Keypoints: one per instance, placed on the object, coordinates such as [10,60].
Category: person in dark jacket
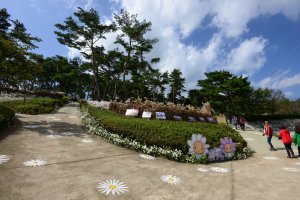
[242,123]
[269,132]
[287,141]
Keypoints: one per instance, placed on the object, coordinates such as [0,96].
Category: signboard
[191,119]
[212,120]
[147,114]
[160,115]
[202,119]
[132,112]
[177,118]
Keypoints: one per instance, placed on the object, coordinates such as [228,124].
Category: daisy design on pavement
[249,139]
[200,169]
[170,179]
[147,157]
[270,158]
[4,158]
[87,141]
[219,170]
[53,136]
[112,186]
[34,163]
[227,147]
[69,133]
[198,145]
[297,163]
[290,169]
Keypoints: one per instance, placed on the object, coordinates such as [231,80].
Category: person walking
[242,123]
[234,121]
[287,141]
[269,132]
[296,137]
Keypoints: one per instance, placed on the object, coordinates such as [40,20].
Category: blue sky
[254,38]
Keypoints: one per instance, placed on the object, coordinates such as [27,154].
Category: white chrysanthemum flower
[112,186]
[249,139]
[219,169]
[270,158]
[53,136]
[200,169]
[87,141]
[4,158]
[147,157]
[170,179]
[31,126]
[290,169]
[198,145]
[34,163]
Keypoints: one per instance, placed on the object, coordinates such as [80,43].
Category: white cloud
[175,20]
[248,57]
[281,80]
[289,94]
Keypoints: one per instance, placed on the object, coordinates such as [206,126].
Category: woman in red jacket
[287,141]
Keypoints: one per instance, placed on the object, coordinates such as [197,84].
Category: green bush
[164,133]
[35,106]
[6,116]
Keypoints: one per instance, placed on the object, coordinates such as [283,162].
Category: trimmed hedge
[164,133]
[6,116]
[35,106]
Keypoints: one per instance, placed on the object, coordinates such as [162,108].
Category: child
[296,137]
[287,141]
[269,132]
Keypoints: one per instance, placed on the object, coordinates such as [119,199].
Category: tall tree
[17,63]
[84,33]
[132,39]
[226,92]
[176,82]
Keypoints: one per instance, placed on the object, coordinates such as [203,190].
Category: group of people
[238,121]
[285,135]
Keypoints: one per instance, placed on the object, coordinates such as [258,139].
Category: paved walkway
[75,167]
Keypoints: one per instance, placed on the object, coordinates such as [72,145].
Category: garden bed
[6,116]
[35,106]
[155,137]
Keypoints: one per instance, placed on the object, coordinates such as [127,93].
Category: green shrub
[35,106]
[6,116]
[169,134]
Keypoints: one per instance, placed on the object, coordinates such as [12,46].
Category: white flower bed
[99,104]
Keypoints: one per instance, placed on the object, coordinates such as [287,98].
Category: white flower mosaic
[200,169]
[4,159]
[69,133]
[34,163]
[173,180]
[270,158]
[147,157]
[53,136]
[32,126]
[290,169]
[112,186]
[87,141]
[249,139]
[219,170]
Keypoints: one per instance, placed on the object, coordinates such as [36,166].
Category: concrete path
[75,167]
